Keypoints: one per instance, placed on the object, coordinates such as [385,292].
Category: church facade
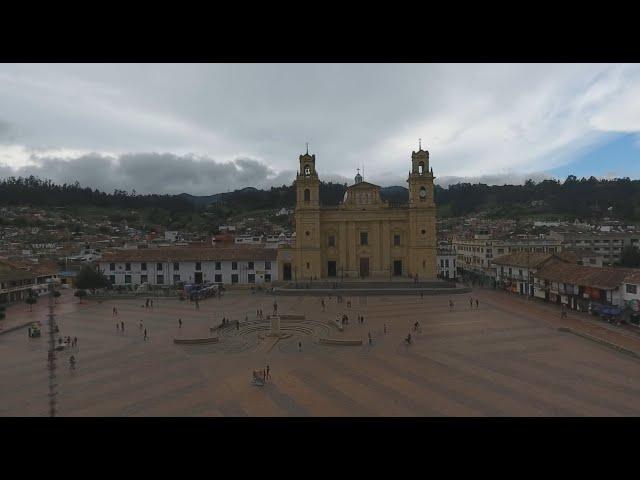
[364,237]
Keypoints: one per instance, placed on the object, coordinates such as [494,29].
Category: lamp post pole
[52,354]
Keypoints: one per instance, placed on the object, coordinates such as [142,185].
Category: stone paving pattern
[506,358]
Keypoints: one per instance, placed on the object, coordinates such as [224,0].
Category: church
[364,237]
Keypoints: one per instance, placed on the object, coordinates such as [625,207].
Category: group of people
[262,375]
[259,314]
[148,303]
[471,303]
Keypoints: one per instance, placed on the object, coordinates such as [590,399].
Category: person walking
[369,338]
[140,325]
[451,305]
[477,303]
[152,303]
[145,335]
[117,326]
[268,375]
[237,324]
[122,325]
[470,302]
[179,323]
[75,342]
[299,346]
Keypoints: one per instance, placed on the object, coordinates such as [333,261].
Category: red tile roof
[185,254]
[604,278]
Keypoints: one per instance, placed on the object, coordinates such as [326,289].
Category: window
[112,279]
[308,265]
[159,267]
[510,271]
[144,278]
[176,278]
[218,266]
[631,288]
[127,267]
[160,279]
[364,238]
[112,266]
[198,266]
[143,266]
[251,278]
[218,278]
[332,240]
[234,278]
[234,266]
[127,279]
[446,262]
[267,277]
[423,231]
[396,240]
[267,265]
[307,195]
[250,266]
[176,266]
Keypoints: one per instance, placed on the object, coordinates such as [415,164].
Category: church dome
[358,178]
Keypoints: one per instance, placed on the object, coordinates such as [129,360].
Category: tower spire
[419,144]
[307,144]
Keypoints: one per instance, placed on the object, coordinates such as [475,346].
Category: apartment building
[607,244]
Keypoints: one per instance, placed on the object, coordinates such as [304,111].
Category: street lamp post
[52,354]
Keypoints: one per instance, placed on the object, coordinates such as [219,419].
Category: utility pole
[52,354]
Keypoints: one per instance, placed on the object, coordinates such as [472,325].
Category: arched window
[307,195]
[307,170]
[421,168]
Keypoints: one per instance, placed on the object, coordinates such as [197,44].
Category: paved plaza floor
[505,358]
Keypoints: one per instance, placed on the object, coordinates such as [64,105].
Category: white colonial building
[170,266]
[446,263]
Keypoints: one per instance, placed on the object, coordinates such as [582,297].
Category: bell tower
[422,217]
[307,256]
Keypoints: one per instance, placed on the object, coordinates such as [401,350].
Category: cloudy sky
[205,129]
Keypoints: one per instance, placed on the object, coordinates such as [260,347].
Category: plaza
[505,357]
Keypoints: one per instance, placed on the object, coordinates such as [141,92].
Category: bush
[80,294]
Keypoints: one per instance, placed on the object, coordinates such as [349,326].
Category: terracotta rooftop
[185,254]
[633,278]
[533,259]
[604,278]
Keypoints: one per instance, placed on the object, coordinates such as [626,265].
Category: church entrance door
[364,267]
[397,267]
[286,271]
[331,268]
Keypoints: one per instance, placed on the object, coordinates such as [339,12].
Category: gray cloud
[169,173]
[155,173]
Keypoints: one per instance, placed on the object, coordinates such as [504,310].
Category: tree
[90,278]
[31,301]
[630,257]
[80,294]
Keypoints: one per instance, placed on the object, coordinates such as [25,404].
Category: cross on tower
[307,144]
